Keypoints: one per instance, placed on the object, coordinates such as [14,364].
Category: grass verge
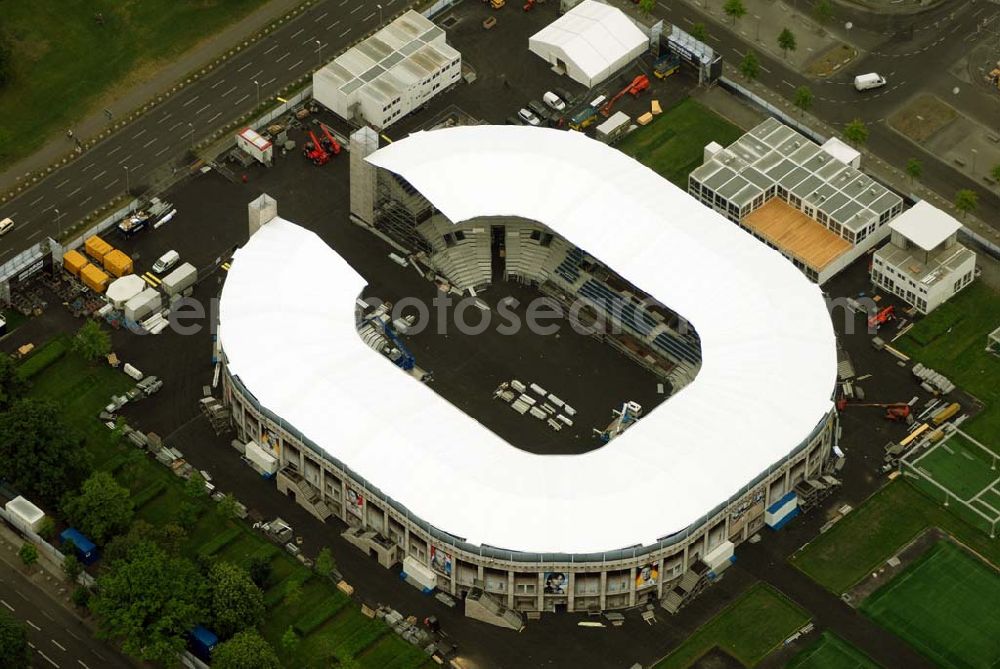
[831,652]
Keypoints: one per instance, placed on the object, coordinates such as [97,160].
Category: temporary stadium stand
[758,318]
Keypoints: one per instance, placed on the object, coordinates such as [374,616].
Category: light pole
[191,132]
[125,167]
[58,223]
[319,53]
[379,15]
[974,154]
[758,26]
[257,83]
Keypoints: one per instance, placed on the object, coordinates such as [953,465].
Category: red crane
[893,411]
[330,142]
[314,151]
[638,85]
[882,317]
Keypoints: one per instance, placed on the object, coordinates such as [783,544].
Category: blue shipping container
[86,551]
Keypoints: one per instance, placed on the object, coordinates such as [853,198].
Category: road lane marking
[86,200]
[342,3]
[82,664]
[33,203]
[165,117]
[48,659]
[162,151]
[101,174]
[765,69]
[90,166]
[110,184]
[70,632]
[203,108]
[298,32]
[369,17]
[36,627]
[96,653]
[114,150]
[20,594]
[272,48]
[218,83]
[75,192]
[333,25]
[177,125]
[242,98]
[48,615]
[62,183]
[228,92]
[139,134]
[58,645]
[256,74]
[248,64]
[135,167]
[32,236]
[148,143]
[124,159]
[269,81]
[45,211]
[211,119]
[344,33]
[295,65]
[6,604]
[188,102]
[309,40]
[281,58]
[322,16]
[357,9]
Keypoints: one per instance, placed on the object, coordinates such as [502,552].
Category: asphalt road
[913,61]
[57,637]
[167,133]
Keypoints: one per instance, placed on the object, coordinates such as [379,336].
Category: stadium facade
[650,516]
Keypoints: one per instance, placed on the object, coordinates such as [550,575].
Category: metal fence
[43,546]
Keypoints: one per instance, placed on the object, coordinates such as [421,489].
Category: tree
[293,591]
[289,640]
[71,567]
[914,168]
[12,386]
[647,6]
[47,528]
[786,41]
[966,200]
[141,534]
[246,650]
[14,652]
[856,132]
[750,66]
[228,506]
[235,601]
[148,602]
[194,487]
[91,341]
[41,456]
[324,563]
[80,597]
[803,98]
[260,570]
[102,509]
[28,554]
[699,32]
[823,11]
[734,9]
[995,173]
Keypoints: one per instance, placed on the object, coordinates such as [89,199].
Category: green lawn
[82,389]
[960,466]
[952,340]
[673,144]
[65,62]
[831,652]
[748,629]
[945,606]
[875,531]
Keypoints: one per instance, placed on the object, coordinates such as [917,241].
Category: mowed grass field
[875,531]
[748,629]
[952,340]
[65,62]
[673,144]
[945,606]
[961,466]
[332,629]
[831,652]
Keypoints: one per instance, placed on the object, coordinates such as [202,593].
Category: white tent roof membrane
[925,225]
[768,371]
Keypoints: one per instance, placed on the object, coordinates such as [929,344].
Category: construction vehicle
[945,413]
[882,317]
[583,119]
[624,419]
[893,411]
[330,142]
[637,85]
[497,4]
[666,65]
[314,151]
[144,218]
[529,5]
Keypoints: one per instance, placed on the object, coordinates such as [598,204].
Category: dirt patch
[831,61]
[923,118]
[885,573]
[717,659]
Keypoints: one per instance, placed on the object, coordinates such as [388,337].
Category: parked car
[6,225]
[528,117]
[540,110]
[554,101]
[166,262]
[563,95]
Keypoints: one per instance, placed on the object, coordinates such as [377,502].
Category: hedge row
[42,358]
[319,614]
[148,494]
[220,541]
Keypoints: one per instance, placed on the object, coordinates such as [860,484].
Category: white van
[166,262]
[864,82]
[6,225]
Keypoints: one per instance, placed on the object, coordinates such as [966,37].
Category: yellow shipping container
[96,247]
[118,263]
[94,278]
[74,261]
